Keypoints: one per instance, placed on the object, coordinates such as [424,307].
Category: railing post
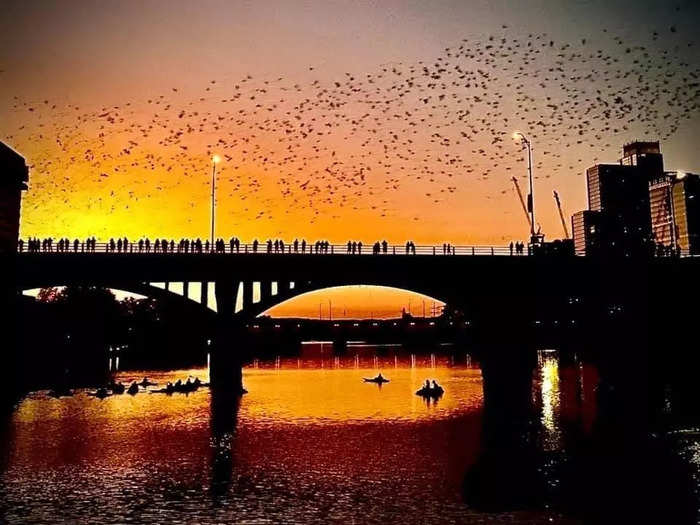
[492,250]
[433,250]
[472,250]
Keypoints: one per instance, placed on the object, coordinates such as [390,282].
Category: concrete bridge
[239,287]
[503,296]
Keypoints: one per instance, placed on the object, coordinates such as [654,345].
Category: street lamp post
[214,160]
[531,196]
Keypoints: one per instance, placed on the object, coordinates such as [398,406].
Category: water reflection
[224,408]
[312,442]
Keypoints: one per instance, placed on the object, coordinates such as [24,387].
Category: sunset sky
[335,120]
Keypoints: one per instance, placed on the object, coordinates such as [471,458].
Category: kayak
[378,380]
[60,393]
[101,393]
[117,388]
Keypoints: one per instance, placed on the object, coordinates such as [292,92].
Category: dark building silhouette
[645,156]
[585,226]
[618,220]
[675,211]
[14,175]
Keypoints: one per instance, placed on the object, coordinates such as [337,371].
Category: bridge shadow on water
[224,407]
[620,463]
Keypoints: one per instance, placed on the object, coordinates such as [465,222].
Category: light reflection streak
[549,373]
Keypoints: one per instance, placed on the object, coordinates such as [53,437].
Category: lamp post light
[531,195]
[214,161]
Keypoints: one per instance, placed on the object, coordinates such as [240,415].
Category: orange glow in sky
[348,302]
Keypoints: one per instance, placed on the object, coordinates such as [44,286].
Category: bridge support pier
[226,362]
[507,383]
[505,475]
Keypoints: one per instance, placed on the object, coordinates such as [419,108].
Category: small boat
[168,389]
[379,379]
[433,392]
[145,382]
[117,388]
[60,392]
[100,393]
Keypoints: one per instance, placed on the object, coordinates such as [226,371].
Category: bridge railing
[137,247]
[173,247]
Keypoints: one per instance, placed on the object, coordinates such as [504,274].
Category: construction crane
[522,202]
[561,215]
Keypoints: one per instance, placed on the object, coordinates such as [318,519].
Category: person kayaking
[133,388]
[432,391]
[379,378]
[101,393]
[145,382]
[117,388]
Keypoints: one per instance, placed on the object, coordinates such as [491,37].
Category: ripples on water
[310,443]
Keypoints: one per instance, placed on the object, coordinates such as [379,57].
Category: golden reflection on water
[323,395]
[309,435]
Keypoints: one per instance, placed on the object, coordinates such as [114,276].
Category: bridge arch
[161,291]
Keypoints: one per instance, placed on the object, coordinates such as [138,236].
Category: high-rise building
[585,226]
[663,230]
[675,212]
[645,156]
[619,194]
[13,180]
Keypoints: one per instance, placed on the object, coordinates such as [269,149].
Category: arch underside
[248,298]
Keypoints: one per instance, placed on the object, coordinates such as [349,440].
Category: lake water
[310,443]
